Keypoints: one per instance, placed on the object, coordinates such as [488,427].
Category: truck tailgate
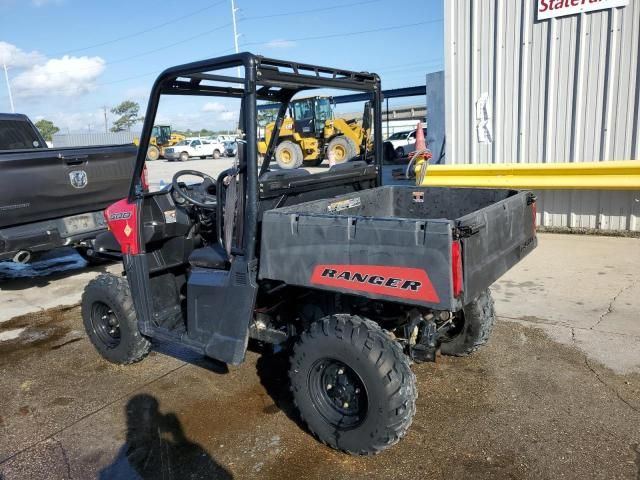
[42,184]
[494,239]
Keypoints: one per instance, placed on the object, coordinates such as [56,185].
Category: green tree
[128,111]
[47,129]
[267,116]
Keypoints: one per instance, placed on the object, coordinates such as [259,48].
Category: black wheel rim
[338,393]
[105,325]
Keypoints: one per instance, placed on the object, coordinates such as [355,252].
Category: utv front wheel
[352,384]
[471,328]
[110,320]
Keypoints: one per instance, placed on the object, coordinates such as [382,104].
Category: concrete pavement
[555,393]
[582,290]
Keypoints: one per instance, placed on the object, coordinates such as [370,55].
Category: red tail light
[456,267]
[144,178]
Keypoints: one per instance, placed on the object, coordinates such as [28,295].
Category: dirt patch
[40,331]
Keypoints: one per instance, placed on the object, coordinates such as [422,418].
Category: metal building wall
[94,138]
[558,90]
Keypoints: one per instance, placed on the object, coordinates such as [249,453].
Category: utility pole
[6,76]
[235,30]
[104,108]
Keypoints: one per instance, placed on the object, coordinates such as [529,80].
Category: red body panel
[401,282]
[122,219]
[456,267]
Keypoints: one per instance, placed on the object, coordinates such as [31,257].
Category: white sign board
[560,8]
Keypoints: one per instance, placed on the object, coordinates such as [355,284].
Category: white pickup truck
[404,142]
[194,147]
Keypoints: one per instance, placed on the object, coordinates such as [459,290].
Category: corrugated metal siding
[560,90]
[88,139]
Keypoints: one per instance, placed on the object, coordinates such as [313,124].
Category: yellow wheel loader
[161,138]
[310,133]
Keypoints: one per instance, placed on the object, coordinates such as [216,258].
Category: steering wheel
[203,198]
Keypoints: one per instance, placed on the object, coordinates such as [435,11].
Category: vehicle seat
[211,256]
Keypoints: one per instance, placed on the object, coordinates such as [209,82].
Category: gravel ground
[522,407]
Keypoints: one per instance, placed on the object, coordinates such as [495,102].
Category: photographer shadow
[157,447]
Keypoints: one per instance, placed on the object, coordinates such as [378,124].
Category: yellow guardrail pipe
[612,175]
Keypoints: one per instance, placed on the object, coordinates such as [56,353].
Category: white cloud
[280,43]
[13,56]
[69,121]
[213,107]
[66,76]
[137,93]
[228,116]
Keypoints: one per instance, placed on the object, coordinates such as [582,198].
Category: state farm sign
[560,8]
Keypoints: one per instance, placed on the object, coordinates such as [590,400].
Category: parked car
[230,149]
[404,142]
[50,197]
[224,138]
[193,147]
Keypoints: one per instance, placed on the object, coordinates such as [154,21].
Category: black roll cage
[265,79]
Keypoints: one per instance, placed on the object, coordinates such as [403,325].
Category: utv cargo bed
[435,247]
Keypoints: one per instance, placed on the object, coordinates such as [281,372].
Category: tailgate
[494,239]
[43,184]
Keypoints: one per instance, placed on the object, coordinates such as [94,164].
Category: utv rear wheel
[472,327]
[343,149]
[289,155]
[110,320]
[352,384]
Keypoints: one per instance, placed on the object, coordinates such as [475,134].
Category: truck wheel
[216,154]
[184,156]
[343,149]
[110,320]
[352,384]
[400,152]
[289,155]
[153,153]
[472,327]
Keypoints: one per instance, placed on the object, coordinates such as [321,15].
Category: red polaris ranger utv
[355,279]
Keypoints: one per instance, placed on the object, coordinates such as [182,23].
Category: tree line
[128,113]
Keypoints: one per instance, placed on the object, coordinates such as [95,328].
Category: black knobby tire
[343,148]
[289,155]
[109,295]
[474,325]
[379,383]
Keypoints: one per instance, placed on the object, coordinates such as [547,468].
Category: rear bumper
[43,236]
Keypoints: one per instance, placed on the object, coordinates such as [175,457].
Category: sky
[68,59]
